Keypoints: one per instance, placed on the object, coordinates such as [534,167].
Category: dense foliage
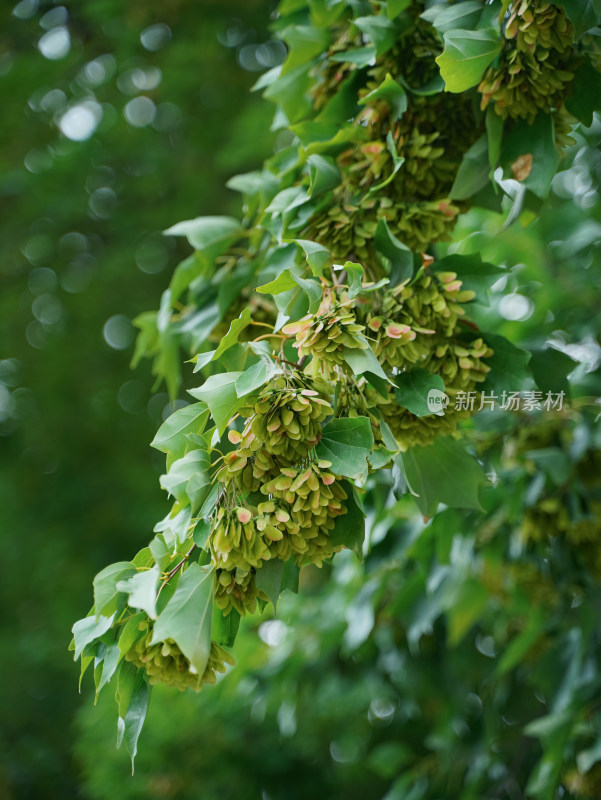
[82,252]
[302,431]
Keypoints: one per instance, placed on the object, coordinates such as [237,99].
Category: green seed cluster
[273,455]
[583,787]
[165,663]
[237,588]
[287,419]
[313,498]
[414,199]
[536,63]
[237,542]
[324,334]
[348,227]
[415,320]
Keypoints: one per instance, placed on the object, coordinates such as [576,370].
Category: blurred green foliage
[348,686]
[81,245]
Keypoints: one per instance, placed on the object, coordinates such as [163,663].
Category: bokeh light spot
[118,332]
[140,111]
[55,44]
[155,36]
[80,121]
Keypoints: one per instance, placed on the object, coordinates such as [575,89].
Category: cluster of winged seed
[536,64]
[236,541]
[459,363]
[165,663]
[326,333]
[415,317]
[237,589]
[248,464]
[287,419]
[313,498]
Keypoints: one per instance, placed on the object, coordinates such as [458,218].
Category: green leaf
[354,273]
[283,283]
[269,579]
[110,662]
[142,590]
[346,442]
[254,183]
[201,532]
[473,173]
[589,757]
[225,627]
[188,479]
[359,56]
[380,30]
[467,608]
[400,256]
[187,617]
[211,235]
[582,14]
[362,361]
[317,255]
[494,132]
[174,527]
[466,56]
[255,376]
[290,576]
[219,393]
[131,633]
[443,473]
[87,630]
[304,43]
[584,93]
[460,16]
[520,644]
[323,174]
[291,90]
[105,586]
[349,528]
[395,7]
[392,93]
[508,365]
[536,142]
[551,368]
[171,437]
[397,162]
[236,328]
[311,288]
[132,697]
[413,388]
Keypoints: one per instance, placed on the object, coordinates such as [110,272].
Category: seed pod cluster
[248,464]
[165,663]
[313,498]
[413,199]
[237,589]
[287,418]
[460,364]
[415,318]
[348,227]
[236,542]
[585,786]
[536,63]
[324,334]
